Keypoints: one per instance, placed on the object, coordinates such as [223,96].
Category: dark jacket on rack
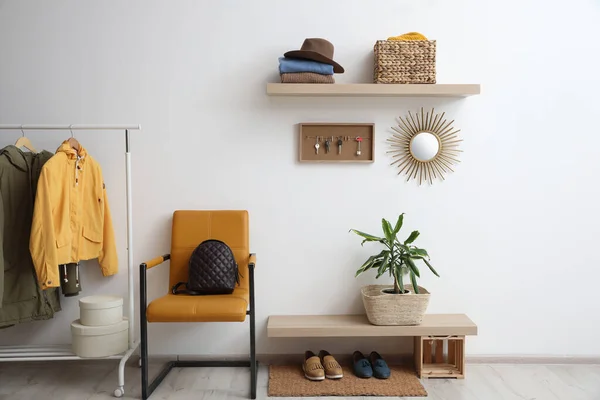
[21,297]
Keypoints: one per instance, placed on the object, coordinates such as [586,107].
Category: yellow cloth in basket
[409,36]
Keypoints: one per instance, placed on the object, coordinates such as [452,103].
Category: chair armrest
[155,261]
[252,260]
[143,289]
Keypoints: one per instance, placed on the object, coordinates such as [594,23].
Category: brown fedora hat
[316,49]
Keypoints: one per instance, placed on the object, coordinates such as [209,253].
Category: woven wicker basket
[394,309]
[404,61]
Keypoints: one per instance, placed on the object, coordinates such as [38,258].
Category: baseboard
[531,359]
[197,357]
[279,359]
[211,357]
[265,359]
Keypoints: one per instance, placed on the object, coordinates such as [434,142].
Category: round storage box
[100,310]
[99,341]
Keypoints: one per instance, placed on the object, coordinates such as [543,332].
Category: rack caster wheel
[119,392]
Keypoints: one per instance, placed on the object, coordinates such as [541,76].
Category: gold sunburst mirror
[424,146]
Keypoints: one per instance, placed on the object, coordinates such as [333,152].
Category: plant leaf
[402,246]
[380,271]
[371,260]
[413,236]
[376,265]
[383,253]
[386,259]
[368,237]
[413,279]
[419,252]
[382,264]
[365,266]
[398,224]
[431,268]
[387,230]
[401,265]
[413,268]
[371,240]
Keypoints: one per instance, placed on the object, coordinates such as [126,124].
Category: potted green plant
[400,304]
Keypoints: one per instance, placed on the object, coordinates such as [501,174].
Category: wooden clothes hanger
[25,142]
[73,142]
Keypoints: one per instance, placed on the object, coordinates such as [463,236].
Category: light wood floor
[97,380]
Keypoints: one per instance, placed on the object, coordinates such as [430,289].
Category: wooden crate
[440,356]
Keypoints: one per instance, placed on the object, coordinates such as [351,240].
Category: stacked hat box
[101,330]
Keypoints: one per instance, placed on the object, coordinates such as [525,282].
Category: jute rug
[289,381]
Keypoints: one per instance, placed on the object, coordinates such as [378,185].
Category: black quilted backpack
[212,270]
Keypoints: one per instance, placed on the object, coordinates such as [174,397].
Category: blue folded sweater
[287,65]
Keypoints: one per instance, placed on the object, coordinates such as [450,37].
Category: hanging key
[317,145]
[327,145]
[358,140]
[340,143]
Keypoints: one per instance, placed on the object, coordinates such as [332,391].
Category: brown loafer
[333,370]
[312,367]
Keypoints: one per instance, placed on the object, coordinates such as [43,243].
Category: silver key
[359,140]
[317,145]
[327,145]
[339,143]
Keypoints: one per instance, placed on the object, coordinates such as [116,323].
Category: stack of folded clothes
[296,70]
[313,63]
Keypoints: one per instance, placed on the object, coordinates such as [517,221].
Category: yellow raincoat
[71,217]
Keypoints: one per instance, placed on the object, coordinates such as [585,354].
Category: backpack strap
[175,290]
[176,286]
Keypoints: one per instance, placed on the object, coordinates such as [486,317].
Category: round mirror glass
[424,146]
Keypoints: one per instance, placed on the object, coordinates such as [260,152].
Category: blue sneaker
[380,367]
[362,366]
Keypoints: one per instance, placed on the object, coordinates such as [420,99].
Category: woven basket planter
[404,61]
[394,309]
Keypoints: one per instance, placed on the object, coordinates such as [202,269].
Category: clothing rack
[55,353]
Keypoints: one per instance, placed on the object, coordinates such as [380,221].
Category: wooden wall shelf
[372,90]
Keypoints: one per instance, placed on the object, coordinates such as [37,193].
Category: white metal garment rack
[54,353]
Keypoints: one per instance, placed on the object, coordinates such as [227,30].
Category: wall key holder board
[337,142]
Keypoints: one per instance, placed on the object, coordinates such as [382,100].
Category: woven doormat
[289,381]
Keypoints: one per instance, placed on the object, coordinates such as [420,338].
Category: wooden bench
[439,342]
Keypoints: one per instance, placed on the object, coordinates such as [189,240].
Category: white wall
[513,232]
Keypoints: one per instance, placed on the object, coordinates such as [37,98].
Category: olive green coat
[22,298]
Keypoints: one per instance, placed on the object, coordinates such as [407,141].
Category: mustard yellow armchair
[189,229]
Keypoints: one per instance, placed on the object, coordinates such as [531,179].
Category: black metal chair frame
[149,387]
